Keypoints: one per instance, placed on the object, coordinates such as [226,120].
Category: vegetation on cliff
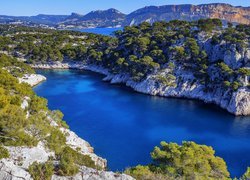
[186,161]
[137,51]
[145,49]
[26,126]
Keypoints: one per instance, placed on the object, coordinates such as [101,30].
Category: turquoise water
[124,126]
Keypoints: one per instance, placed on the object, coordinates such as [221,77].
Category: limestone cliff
[189,12]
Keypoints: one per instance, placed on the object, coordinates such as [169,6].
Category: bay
[124,126]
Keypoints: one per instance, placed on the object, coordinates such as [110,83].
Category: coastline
[237,103]
[16,165]
[32,79]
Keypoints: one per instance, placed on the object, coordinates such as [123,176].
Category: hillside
[110,17]
[198,60]
[151,14]
[35,143]
[189,12]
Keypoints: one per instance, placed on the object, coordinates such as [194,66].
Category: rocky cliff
[237,103]
[189,12]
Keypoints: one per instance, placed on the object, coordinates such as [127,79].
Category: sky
[66,7]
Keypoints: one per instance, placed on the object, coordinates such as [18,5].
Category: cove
[124,126]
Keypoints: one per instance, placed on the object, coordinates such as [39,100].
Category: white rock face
[32,79]
[25,103]
[233,58]
[76,142]
[92,174]
[20,159]
[10,171]
[237,104]
[25,156]
[240,102]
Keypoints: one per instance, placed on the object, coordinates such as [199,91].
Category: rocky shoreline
[237,103]
[16,166]
[32,79]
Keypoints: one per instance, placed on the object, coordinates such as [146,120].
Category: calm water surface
[124,126]
[102,31]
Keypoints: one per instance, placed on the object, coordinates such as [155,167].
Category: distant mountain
[110,17]
[39,19]
[114,18]
[74,17]
[189,12]
[47,19]
[110,14]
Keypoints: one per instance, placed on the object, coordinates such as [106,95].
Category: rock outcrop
[240,102]
[32,79]
[92,174]
[237,103]
[189,12]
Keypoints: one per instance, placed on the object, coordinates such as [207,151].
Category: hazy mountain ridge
[99,18]
[113,17]
[190,12]
[39,19]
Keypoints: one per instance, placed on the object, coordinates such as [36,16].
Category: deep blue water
[102,31]
[124,126]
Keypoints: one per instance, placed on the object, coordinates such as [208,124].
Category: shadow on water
[124,126]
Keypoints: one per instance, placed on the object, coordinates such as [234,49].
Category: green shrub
[70,159]
[188,161]
[56,140]
[67,167]
[4,153]
[42,171]
[13,123]
[235,85]
[37,104]
[144,173]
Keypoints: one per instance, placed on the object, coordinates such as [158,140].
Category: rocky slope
[32,79]
[237,103]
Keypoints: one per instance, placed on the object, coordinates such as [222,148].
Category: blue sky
[34,7]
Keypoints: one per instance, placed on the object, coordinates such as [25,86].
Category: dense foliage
[41,171]
[27,126]
[188,161]
[141,50]
[4,153]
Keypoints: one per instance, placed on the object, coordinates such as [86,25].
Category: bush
[144,173]
[4,153]
[235,85]
[56,140]
[13,122]
[188,161]
[67,167]
[42,171]
[37,104]
[70,159]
